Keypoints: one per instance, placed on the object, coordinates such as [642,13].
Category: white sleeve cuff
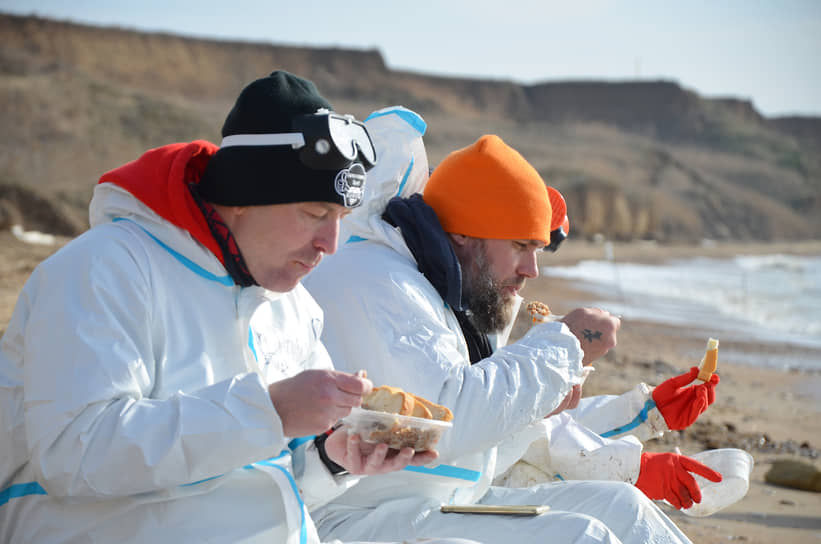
[316,483]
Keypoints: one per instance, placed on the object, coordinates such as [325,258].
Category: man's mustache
[518,283]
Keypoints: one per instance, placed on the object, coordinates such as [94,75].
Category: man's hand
[681,405]
[314,400]
[667,476]
[358,457]
[570,401]
[595,329]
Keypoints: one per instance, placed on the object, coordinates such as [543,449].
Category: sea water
[772,299]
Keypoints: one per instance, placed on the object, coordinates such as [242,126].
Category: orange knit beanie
[488,190]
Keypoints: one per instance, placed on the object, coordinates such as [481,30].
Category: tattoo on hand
[590,335]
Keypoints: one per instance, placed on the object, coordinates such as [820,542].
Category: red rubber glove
[681,405]
[667,476]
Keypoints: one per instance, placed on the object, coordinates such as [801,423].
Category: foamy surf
[771,298]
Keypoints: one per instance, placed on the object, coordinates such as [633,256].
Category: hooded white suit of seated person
[391,297]
[141,371]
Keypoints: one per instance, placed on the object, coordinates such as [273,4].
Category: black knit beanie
[268,174]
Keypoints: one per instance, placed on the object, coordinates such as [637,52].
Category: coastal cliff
[635,159]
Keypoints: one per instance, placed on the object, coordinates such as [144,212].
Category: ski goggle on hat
[325,141]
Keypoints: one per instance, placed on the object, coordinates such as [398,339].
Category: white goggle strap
[294,139]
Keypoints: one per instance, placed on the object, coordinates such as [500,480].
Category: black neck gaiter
[437,261]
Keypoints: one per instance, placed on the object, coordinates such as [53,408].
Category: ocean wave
[776,298]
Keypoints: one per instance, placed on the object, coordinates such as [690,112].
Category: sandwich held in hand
[399,419]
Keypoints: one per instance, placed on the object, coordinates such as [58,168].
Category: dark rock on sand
[795,474]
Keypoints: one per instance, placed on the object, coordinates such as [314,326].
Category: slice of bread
[396,401]
[419,409]
[437,411]
[389,399]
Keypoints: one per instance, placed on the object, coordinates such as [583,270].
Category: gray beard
[487,310]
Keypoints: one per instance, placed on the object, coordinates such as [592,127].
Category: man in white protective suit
[422,295]
[162,377]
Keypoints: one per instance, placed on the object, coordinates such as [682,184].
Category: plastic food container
[394,430]
[735,467]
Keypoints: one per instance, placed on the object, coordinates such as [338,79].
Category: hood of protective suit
[402,170]
[160,179]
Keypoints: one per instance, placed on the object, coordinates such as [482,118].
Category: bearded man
[422,295]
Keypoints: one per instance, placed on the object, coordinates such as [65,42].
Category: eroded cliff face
[645,159]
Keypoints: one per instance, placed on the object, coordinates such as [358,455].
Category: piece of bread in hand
[389,399]
[710,361]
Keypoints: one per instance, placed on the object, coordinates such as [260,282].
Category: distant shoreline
[573,251]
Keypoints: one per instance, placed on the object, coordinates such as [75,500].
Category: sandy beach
[772,414]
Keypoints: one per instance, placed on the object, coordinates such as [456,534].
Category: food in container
[399,419]
[539,311]
[397,431]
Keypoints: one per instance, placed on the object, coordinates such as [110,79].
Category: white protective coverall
[133,392]
[598,440]
[384,316]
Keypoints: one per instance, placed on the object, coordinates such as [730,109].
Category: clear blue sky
[765,51]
